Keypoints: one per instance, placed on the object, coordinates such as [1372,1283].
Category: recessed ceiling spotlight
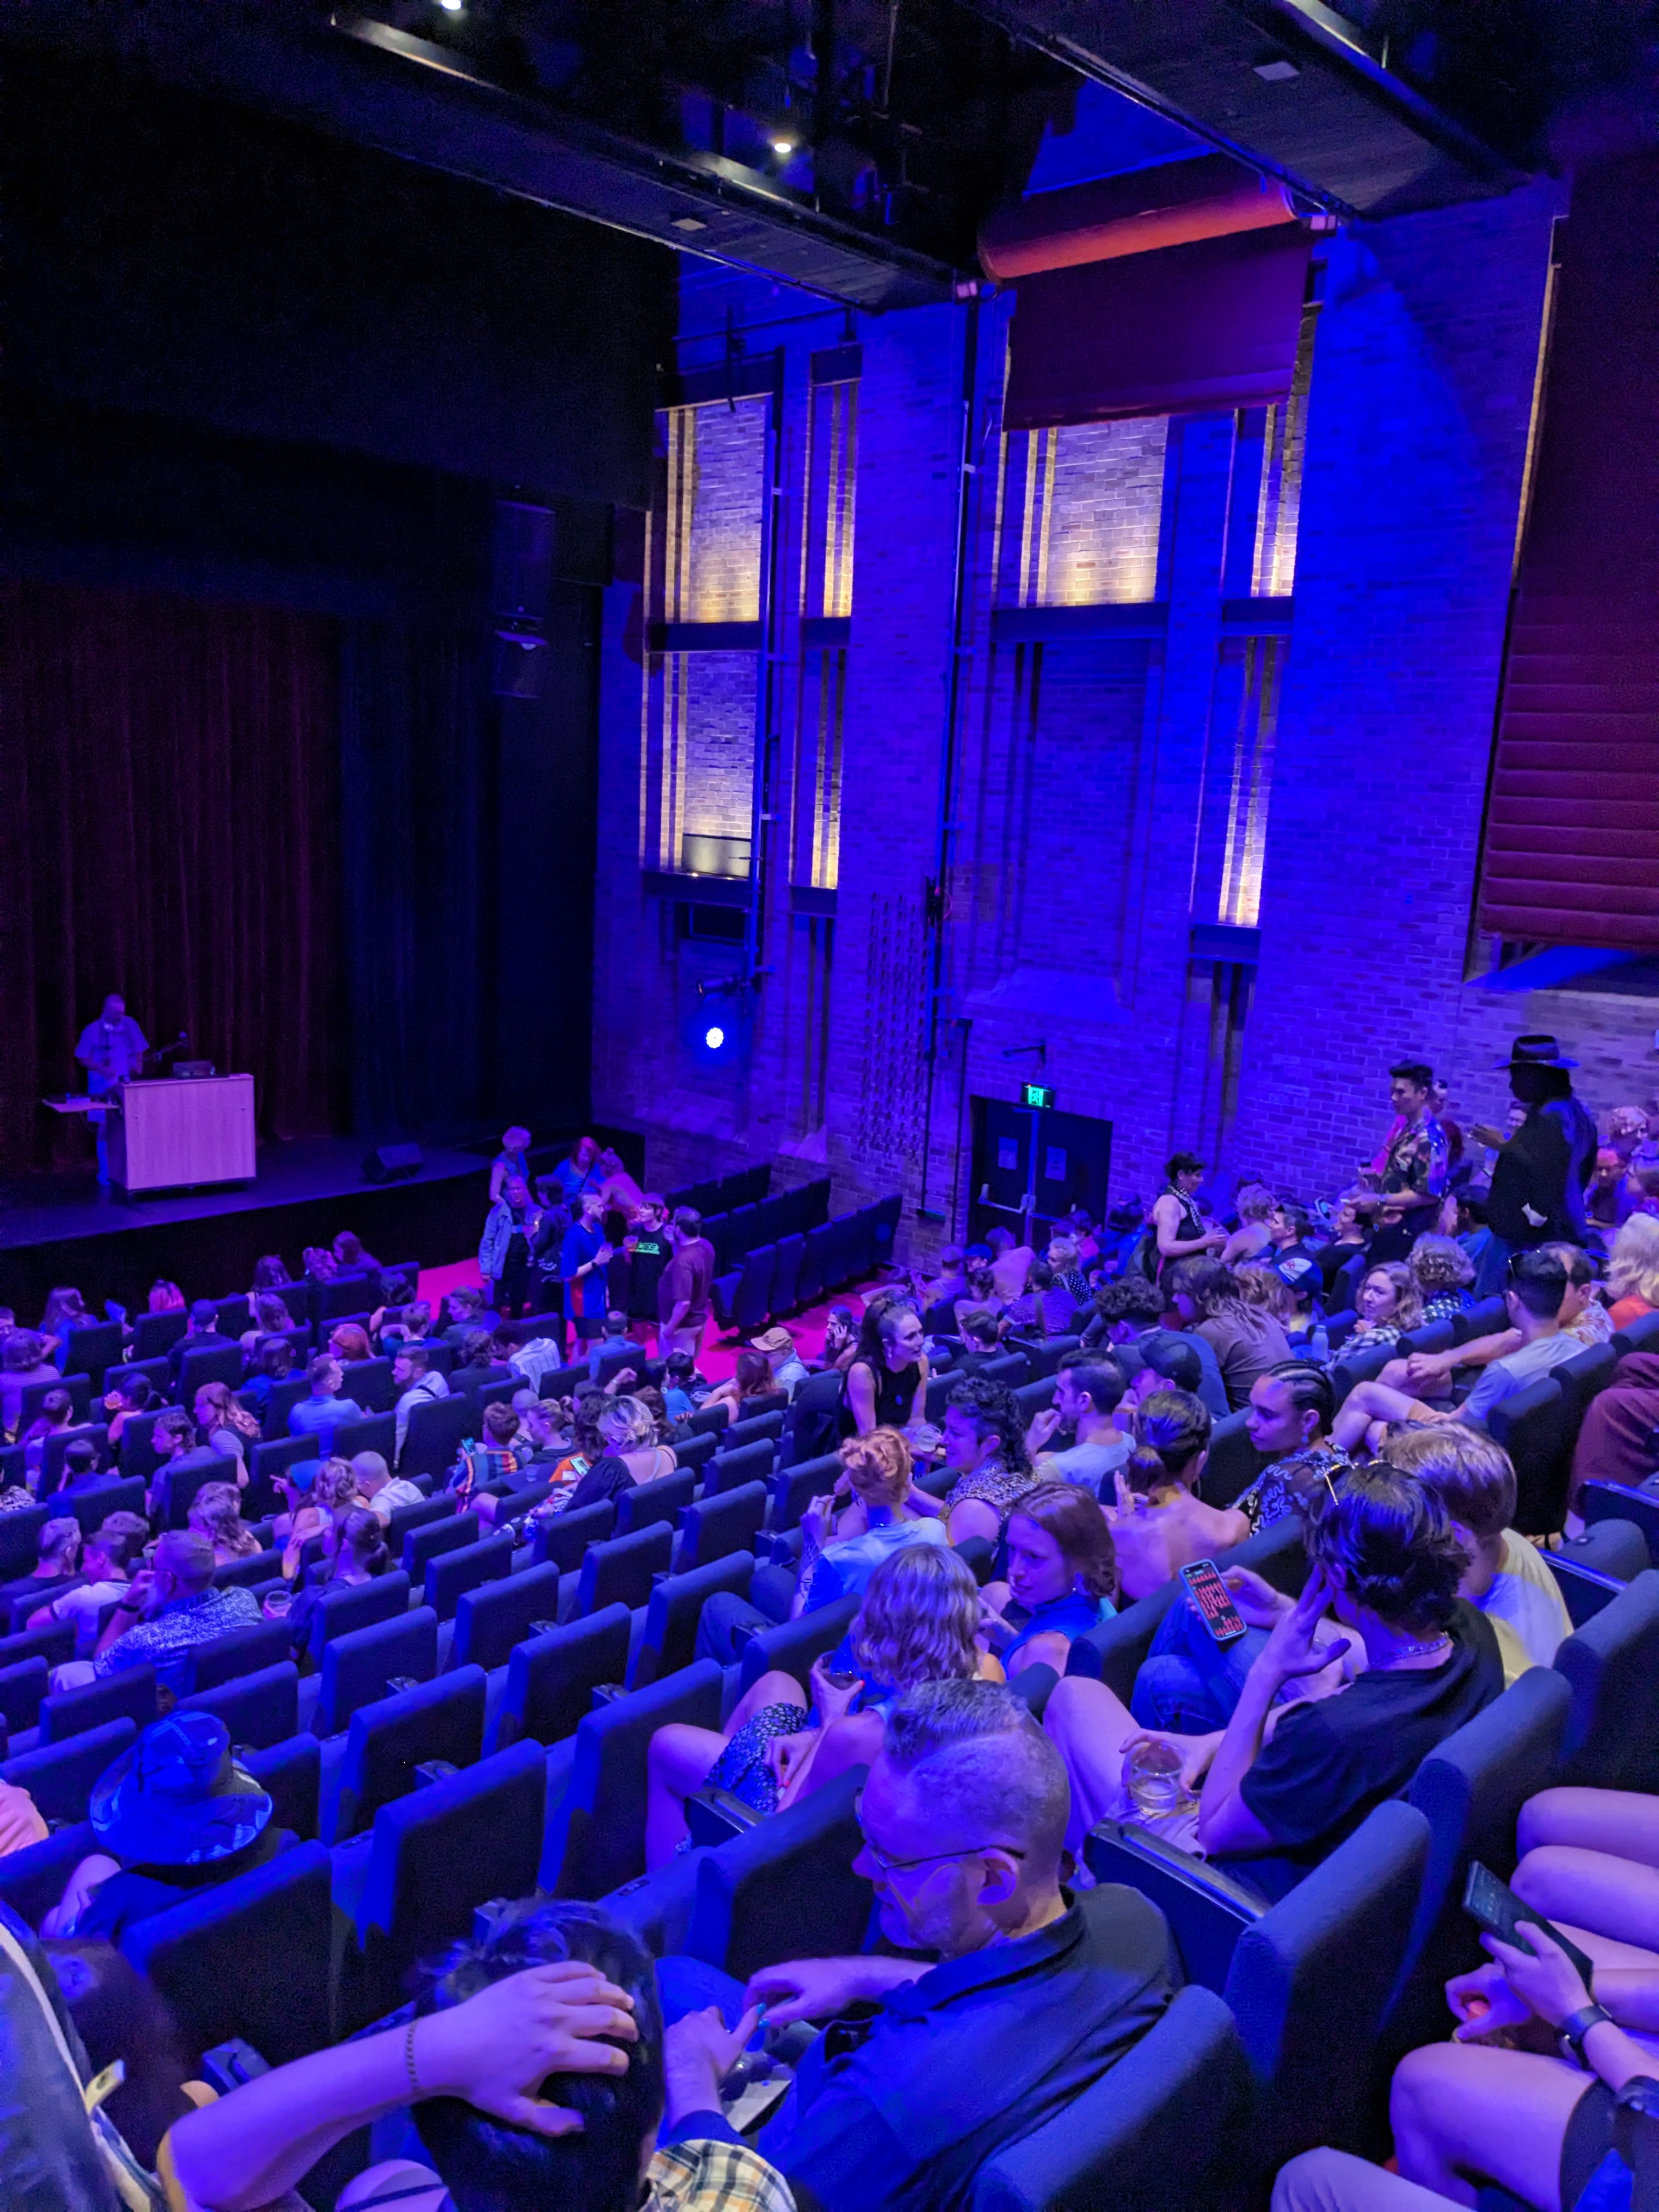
[688,223]
[1273,72]
[783,145]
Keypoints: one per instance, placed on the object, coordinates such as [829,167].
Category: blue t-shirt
[844,1568]
[320,1417]
[589,1297]
[1071,1616]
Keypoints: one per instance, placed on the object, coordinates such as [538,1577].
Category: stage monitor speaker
[391,1163]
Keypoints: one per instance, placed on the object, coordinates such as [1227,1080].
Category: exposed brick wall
[1097,778]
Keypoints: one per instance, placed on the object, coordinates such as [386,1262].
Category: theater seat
[339,1611]
[739,1464]
[436,1534]
[596,1829]
[33,1879]
[23,1687]
[671,1621]
[243,1651]
[292,1771]
[623,1570]
[795,1487]
[793,1646]
[130,1695]
[1154,2133]
[258,1710]
[551,1677]
[60,1777]
[716,1527]
[490,1620]
[785,1888]
[413,1885]
[448,1578]
[441,1719]
[1536,1427]
[358,1668]
[695,1450]
[1611,1666]
[249,1958]
[665,1499]
[563,1541]
[435,1435]
[1606,1501]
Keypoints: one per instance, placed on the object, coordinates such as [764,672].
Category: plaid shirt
[714,2177]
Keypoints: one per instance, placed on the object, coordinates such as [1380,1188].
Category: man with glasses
[1035,1993]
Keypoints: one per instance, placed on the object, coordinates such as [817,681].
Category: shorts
[1588,2140]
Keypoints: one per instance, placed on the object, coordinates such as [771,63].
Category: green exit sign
[1039,1094]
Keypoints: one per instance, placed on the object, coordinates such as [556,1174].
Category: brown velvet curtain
[169,828]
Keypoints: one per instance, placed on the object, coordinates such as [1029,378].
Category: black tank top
[896,1394]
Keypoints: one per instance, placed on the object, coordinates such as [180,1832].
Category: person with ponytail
[1160,1523]
[353,1551]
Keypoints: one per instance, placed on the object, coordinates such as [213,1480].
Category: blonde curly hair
[919,1619]
[878,1466]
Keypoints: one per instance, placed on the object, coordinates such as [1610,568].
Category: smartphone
[1494,1905]
[1215,1607]
[839,1680]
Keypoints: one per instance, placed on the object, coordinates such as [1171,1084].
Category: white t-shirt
[384,1503]
[1526,1608]
[83,1607]
[1091,1466]
[1503,1377]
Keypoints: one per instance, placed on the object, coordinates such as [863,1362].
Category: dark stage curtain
[168,828]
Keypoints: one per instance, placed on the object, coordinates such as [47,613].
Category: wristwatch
[1569,2036]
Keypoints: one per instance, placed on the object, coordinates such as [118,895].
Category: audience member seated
[55,1419]
[348,1341]
[1160,1523]
[417,1383]
[519,2103]
[1063,1578]
[751,1379]
[1261,1286]
[1011,1264]
[1205,1299]
[409,1324]
[353,1551]
[475,1356]
[1285,1782]
[840,1339]
[629,1452]
[350,1258]
[23,1361]
[1538,1283]
[981,1332]
[173,1815]
[224,1426]
[1291,1409]
[1388,1303]
[469,1309]
[1087,1394]
[786,1368]
[65,1308]
[918,1622]
[381,1490]
[496,1458]
[180,1463]
[79,1468]
[886,1385]
[1507,1579]
[983,1445]
[1348,1235]
[271,1317]
[1633,1271]
[165,1297]
[1442,1272]
[164,1613]
[272,1363]
[1043,1308]
[332,1495]
[1125,1307]
[201,1335]
[1256,1205]
[1035,1993]
[324,1410]
[1064,1261]
[1619,1438]
[872,1511]
[58,1561]
[216,1512]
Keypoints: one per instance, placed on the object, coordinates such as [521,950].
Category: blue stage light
[713,1037]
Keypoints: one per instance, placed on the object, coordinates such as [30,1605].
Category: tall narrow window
[826,606]
[1279,507]
[1261,668]
[1081,507]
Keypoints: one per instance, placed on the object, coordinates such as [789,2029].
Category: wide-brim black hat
[1537,1051]
[178,1798]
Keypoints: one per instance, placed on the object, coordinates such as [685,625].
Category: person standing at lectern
[110,1049]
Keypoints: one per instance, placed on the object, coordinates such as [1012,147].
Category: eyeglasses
[926,1858]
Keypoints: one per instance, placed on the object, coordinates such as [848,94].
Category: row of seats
[722,1194]
[797,1269]
[735,1233]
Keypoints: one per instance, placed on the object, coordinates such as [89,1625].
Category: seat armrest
[714,1816]
[1208,1910]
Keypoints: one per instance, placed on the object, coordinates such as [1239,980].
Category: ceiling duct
[1176,204]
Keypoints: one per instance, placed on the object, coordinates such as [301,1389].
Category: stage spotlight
[783,145]
[452,7]
[713,1036]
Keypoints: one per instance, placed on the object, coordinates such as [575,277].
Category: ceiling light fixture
[783,145]
[688,223]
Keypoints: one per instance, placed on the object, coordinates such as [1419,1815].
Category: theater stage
[62,1228]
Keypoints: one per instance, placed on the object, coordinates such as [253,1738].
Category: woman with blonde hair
[1388,1303]
[918,1622]
[226,1427]
[331,1496]
[872,1511]
[630,1454]
[1256,1206]
[1633,1270]
[1266,1289]
[216,1512]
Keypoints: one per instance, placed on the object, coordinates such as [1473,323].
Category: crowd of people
[974,1541]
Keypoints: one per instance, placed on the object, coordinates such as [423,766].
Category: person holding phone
[1281,1784]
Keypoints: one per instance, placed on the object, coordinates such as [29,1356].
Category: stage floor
[48,1209]
[62,1228]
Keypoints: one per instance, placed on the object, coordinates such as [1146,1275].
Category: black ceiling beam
[362,80]
[1342,130]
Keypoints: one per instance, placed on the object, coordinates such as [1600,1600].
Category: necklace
[1416,1650]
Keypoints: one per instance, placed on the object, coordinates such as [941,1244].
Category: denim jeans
[1187,1681]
